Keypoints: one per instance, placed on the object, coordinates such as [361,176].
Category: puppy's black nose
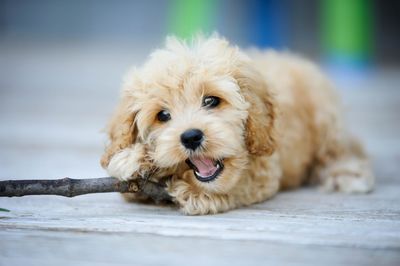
[192,138]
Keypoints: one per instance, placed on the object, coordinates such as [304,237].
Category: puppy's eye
[163,116]
[211,101]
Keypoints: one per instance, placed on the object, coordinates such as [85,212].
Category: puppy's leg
[130,163]
[194,200]
[348,171]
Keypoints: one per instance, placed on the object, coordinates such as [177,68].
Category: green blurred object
[188,17]
[4,210]
[347,28]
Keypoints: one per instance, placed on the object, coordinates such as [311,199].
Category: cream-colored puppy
[232,128]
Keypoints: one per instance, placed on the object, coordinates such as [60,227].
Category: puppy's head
[199,106]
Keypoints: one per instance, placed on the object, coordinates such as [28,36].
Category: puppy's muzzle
[192,138]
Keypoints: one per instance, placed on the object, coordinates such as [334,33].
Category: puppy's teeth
[197,173]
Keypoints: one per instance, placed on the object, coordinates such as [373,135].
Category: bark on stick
[69,187]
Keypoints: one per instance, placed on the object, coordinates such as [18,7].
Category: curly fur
[277,127]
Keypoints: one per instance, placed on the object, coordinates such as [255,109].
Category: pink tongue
[205,166]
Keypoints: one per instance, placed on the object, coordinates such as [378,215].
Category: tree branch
[69,187]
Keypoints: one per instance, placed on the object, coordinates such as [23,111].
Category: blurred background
[61,64]
[355,30]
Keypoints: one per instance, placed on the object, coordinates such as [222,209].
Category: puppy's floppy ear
[121,130]
[260,125]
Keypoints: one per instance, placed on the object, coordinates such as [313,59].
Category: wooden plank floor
[54,102]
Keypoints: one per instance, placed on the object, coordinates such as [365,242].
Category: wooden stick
[69,187]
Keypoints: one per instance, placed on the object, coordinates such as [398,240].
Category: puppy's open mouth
[205,169]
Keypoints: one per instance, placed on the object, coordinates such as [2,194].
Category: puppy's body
[308,121]
[276,124]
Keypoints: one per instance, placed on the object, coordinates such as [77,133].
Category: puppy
[231,128]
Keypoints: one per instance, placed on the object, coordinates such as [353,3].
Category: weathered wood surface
[53,106]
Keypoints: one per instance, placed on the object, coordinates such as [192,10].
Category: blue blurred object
[267,23]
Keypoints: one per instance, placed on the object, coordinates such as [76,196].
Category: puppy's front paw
[129,163]
[193,200]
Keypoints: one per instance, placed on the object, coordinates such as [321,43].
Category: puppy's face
[194,111]
[200,123]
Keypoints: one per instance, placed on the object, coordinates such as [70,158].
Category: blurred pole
[188,17]
[347,34]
